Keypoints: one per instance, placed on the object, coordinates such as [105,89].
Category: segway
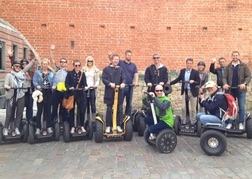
[23,128]
[43,135]
[166,140]
[78,134]
[187,129]
[213,139]
[100,125]
[89,109]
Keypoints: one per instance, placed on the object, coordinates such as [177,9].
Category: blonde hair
[49,65]
[86,68]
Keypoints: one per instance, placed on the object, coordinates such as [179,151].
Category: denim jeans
[155,128]
[128,93]
[91,101]
[207,118]
[109,115]
[241,97]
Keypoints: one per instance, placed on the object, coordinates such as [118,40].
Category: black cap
[16,63]
[202,63]
[24,61]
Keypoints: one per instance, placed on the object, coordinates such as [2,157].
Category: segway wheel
[166,141]
[66,132]
[98,131]
[56,131]
[129,131]
[177,123]
[249,127]
[31,134]
[134,119]
[90,129]
[213,142]
[1,133]
[199,128]
[25,132]
[141,125]
[146,137]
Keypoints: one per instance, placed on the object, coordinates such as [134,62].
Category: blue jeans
[91,101]
[128,93]
[155,128]
[241,97]
[109,115]
[207,118]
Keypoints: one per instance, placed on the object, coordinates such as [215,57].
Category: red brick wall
[176,29]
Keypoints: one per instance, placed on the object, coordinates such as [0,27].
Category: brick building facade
[176,29]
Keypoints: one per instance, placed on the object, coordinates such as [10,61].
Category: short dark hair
[235,52]
[222,58]
[128,51]
[115,55]
[189,59]
[76,60]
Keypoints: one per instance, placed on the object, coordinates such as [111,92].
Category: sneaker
[107,129]
[241,127]
[229,126]
[119,129]
[72,130]
[83,129]
[192,126]
[17,131]
[37,131]
[5,131]
[152,136]
[49,130]
[182,126]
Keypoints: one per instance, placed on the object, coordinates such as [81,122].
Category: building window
[25,53]
[2,55]
[15,51]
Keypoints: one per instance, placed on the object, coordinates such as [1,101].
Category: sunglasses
[17,66]
[62,61]
[155,57]
[159,90]
[77,65]
[89,61]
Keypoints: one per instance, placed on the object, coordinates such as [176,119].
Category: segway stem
[114,120]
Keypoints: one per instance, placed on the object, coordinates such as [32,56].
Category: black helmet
[16,63]
[202,63]
[24,61]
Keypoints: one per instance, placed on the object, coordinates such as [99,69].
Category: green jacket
[163,110]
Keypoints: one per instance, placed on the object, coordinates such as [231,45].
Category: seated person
[215,105]
[163,111]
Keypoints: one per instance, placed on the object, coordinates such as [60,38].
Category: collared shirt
[187,78]
[129,69]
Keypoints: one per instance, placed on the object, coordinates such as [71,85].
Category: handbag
[68,103]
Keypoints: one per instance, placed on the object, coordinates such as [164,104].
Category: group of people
[56,82]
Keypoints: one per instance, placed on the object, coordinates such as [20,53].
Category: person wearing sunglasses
[155,74]
[163,111]
[15,79]
[93,81]
[113,75]
[76,78]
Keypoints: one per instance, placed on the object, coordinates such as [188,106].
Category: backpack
[232,110]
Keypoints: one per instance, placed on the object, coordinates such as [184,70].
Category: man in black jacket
[218,71]
[112,76]
[155,74]
[190,83]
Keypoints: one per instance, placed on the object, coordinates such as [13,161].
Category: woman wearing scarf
[15,79]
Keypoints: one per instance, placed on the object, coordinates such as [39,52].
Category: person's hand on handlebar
[242,86]
[191,81]
[152,94]
[7,87]
[53,87]
[161,83]
[112,85]
[149,84]
[226,87]
[38,87]
[122,85]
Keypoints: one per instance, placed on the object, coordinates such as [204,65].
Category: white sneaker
[229,126]
[119,129]
[152,136]
[83,129]
[72,130]
[37,131]
[5,131]
[49,130]
[17,131]
[241,127]
[107,129]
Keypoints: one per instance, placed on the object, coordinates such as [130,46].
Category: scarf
[18,81]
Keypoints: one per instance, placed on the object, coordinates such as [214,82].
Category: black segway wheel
[66,132]
[129,131]
[177,123]
[146,137]
[56,131]
[134,119]
[31,134]
[213,142]
[98,131]
[166,141]
[141,125]
[1,133]
[25,132]
[199,128]
[249,127]
[90,129]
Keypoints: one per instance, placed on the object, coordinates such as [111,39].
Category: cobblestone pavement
[121,159]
